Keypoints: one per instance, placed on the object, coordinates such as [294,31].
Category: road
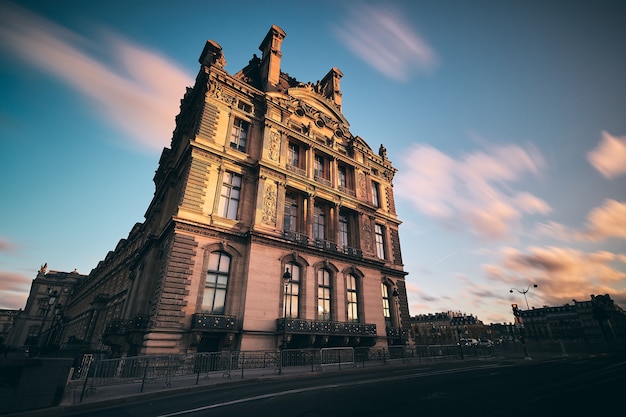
[568,386]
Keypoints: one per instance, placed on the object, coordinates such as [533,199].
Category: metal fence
[143,371]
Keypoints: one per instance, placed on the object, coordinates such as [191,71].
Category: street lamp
[283,345]
[52,298]
[524,292]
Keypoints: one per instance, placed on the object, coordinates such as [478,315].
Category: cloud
[609,157]
[6,245]
[14,289]
[385,41]
[562,274]
[474,189]
[604,222]
[138,92]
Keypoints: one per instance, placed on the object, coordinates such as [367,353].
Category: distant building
[272,226]
[40,323]
[6,323]
[598,319]
[447,327]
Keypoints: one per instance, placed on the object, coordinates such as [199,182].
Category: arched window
[292,293]
[352,298]
[324,291]
[214,300]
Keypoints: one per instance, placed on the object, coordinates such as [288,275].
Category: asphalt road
[563,387]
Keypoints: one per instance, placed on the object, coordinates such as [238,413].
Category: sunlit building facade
[272,226]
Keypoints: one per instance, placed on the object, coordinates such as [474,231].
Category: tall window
[318,166]
[352,299]
[229,200]
[323,295]
[380,241]
[342,176]
[291,213]
[386,305]
[375,194]
[214,300]
[293,155]
[239,134]
[292,295]
[343,231]
[319,222]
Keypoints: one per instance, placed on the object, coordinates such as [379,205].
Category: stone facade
[271,225]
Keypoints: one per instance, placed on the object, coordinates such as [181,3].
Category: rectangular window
[214,300]
[380,241]
[229,199]
[343,231]
[375,194]
[239,135]
[319,170]
[243,106]
[386,309]
[293,155]
[323,295]
[352,299]
[319,223]
[342,176]
[291,213]
[292,292]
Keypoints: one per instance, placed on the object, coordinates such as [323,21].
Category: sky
[506,121]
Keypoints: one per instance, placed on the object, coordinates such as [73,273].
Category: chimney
[212,55]
[329,86]
[270,60]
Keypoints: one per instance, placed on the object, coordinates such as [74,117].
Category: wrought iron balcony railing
[347,190]
[354,252]
[124,326]
[296,170]
[326,245]
[213,322]
[299,238]
[323,181]
[320,327]
[396,333]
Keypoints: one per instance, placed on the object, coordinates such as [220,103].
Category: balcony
[353,252]
[121,327]
[213,322]
[326,328]
[299,238]
[323,181]
[296,170]
[397,333]
[326,245]
[347,190]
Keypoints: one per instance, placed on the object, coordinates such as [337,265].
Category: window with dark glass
[229,198]
[386,305]
[319,167]
[291,213]
[380,241]
[293,155]
[214,299]
[319,223]
[343,231]
[292,294]
[239,134]
[342,176]
[323,295]
[352,298]
[375,194]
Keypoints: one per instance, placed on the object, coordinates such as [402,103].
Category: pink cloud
[476,189]
[609,157]
[138,93]
[14,289]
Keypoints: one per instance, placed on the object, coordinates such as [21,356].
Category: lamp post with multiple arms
[524,292]
[283,345]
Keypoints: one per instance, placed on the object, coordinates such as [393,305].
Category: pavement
[80,396]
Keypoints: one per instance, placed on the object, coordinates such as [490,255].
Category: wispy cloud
[562,274]
[603,222]
[137,92]
[6,245]
[14,289]
[475,189]
[609,157]
[385,41]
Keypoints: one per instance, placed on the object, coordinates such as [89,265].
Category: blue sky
[506,120]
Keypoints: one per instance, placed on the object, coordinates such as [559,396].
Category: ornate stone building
[272,225]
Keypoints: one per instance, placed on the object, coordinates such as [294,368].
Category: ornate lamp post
[52,298]
[524,292]
[283,345]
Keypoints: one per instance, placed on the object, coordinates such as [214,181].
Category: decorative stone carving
[269,204]
[274,146]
